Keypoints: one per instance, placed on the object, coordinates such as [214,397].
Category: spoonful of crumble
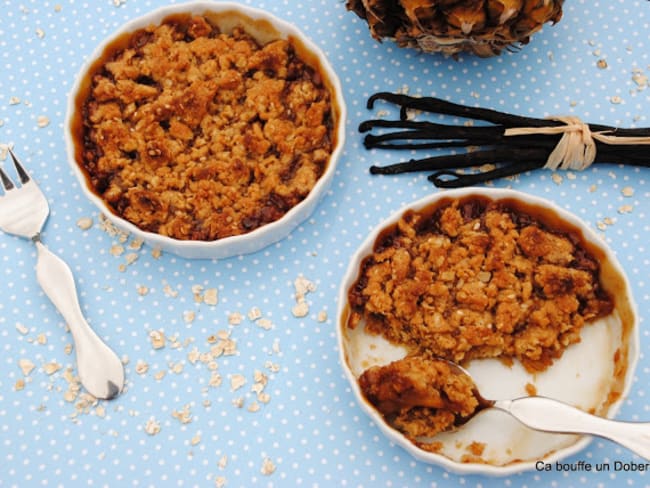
[422,397]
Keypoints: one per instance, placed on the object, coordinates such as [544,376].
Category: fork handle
[100,370]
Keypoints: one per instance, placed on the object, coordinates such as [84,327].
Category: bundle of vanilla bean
[511,145]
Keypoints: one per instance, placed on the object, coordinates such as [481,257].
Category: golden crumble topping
[196,134]
[478,279]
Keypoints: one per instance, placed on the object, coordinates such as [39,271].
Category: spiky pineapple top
[483,27]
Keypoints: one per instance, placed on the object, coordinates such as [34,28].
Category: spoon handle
[541,413]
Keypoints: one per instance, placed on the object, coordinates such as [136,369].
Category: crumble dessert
[195,134]
[418,396]
[476,278]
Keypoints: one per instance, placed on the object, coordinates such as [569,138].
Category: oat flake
[237,381]
[26,365]
[268,467]
[184,416]
[157,339]
[254,313]
[301,309]
[235,318]
[211,296]
[84,223]
[141,367]
[152,427]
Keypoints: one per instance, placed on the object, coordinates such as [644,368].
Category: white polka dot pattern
[241,398]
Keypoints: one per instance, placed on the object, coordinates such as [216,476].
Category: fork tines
[7,183]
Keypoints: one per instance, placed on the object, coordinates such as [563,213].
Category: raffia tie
[576,149]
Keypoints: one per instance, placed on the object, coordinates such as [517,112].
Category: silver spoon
[548,415]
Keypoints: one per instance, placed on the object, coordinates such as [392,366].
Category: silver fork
[23,212]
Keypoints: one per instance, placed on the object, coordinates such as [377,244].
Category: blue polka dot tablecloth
[271,406]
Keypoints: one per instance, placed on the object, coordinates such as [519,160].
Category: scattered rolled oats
[42,121]
[22,329]
[70,396]
[260,377]
[220,482]
[264,397]
[193,356]
[628,191]
[41,339]
[141,367]
[136,244]
[268,467]
[157,338]
[238,402]
[254,407]
[14,101]
[143,290]
[215,380]
[156,253]
[189,316]
[223,462]
[237,381]
[272,367]
[211,296]
[84,223]
[26,365]
[116,250]
[85,402]
[100,411]
[265,324]
[235,318]
[197,291]
[300,309]
[254,314]
[20,384]
[624,209]
[196,440]
[184,416]
[303,286]
[177,368]
[152,427]
[169,291]
[322,316]
[616,100]
[602,63]
[51,368]
[160,375]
